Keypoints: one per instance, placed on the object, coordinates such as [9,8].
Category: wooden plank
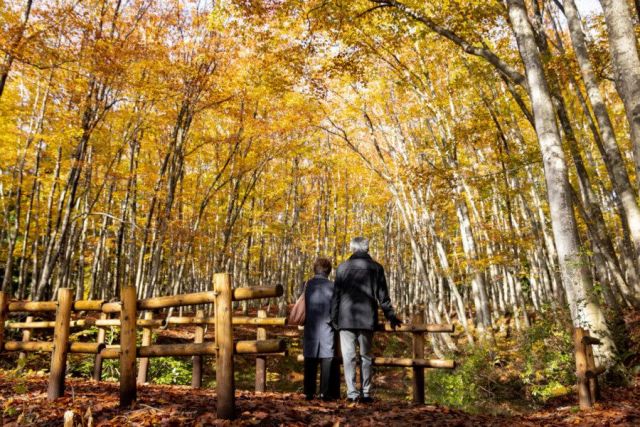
[128,391]
[261,361]
[176,300]
[198,338]
[60,344]
[236,320]
[589,340]
[4,312]
[97,362]
[257,292]
[584,394]
[26,337]
[406,362]
[32,306]
[430,328]
[47,346]
[225,386]
[418,353]
[260,321]
[143,365]
[88,305]
[112,307]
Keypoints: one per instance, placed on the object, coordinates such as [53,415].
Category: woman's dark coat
[318,334]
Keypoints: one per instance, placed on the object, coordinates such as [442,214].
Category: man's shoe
[367,399]
[307,397]
[353,399]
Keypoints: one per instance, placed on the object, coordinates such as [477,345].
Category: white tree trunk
[576,279]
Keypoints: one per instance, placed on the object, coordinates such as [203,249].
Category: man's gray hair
[359,244]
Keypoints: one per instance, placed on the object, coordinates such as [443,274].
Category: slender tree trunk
[577,282]
[611,155]
[626,64]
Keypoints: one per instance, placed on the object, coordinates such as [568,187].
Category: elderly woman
[319,336]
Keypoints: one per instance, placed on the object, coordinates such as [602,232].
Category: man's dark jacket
[360,284]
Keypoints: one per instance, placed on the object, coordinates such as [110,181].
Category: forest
[490,150]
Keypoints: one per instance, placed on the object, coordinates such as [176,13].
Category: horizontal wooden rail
[74,347]
[264,321]
[44,306]
[190,349]
[241,294]
[407,362]
[151,323]
[589,340]
[431,328]
[32,306]
[261,346]
[238,320]
[88,305]
[85,322]
[593,373]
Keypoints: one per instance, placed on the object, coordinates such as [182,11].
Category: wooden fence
[586,370]
[417,362]
[224,347]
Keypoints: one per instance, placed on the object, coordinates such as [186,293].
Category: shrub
[548,366]
[170,370]
[467,386]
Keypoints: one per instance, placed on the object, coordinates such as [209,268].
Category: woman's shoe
[367,399]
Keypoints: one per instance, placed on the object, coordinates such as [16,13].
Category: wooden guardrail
[223,347]
[417,362]
[586,370]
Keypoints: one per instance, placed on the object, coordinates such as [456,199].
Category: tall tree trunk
[576,279]
[626,63]
[612,156]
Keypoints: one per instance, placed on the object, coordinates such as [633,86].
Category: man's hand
[395,322]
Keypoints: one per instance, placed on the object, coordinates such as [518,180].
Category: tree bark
[626,64]
[576,279]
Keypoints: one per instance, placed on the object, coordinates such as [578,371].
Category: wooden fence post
[60,344]
[594,389]
[418,353]
[584,394]
[196,371]
[4,308]
[261,361]
[143,366]
[128,346]
[26,337]
[225,387]
[97,364]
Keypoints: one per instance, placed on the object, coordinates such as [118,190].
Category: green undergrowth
[526,369]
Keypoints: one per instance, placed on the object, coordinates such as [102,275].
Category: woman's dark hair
[322,266]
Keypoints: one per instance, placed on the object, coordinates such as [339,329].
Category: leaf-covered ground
[24,402]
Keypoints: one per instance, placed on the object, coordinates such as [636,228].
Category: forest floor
[23,399]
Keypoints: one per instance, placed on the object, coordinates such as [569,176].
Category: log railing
[224,347]
[586,370]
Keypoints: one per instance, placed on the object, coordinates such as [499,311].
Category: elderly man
[360,286]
